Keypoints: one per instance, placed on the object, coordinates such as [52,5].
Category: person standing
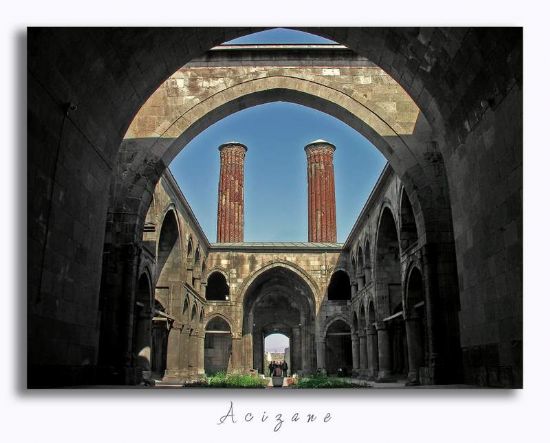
[285,368]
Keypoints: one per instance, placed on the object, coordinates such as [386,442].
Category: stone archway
[217,346]
[444,71]
[388,293]
[279,300]
[338,348]
[398,141]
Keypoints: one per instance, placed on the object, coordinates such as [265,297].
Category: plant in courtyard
[223,380]
[322,382]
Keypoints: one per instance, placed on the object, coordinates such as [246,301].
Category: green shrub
[322,382]
[223,380]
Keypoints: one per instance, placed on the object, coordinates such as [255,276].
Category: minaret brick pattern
[231,193]
[321,199]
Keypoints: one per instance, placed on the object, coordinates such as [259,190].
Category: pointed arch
[217,344]
[387,264]
[360,271]
[339,287]
[408,233]
[338,346]
[217,288]
[168,249]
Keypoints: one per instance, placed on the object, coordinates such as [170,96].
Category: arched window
[217,346]
[338,352]
[409,233]
[368,264]
[360,271]
[371,314]
[339,287]
[197,256]
[168,257]
[388,267]
[362,319]
[217,288]
[185,305]
[197,270]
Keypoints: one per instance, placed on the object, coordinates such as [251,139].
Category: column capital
[320,145]
[232,145]
[371,330]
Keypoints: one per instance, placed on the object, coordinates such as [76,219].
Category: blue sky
[275,165]
[276,343]
[279,35]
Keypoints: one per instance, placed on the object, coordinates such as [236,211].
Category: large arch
[443,70]
[279,300]
[399,149]
[388,296]
[398,146]
[387,264]
[245,286]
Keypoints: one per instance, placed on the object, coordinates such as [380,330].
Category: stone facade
[386,323]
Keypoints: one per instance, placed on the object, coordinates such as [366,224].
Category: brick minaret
[321,200]
[231,193]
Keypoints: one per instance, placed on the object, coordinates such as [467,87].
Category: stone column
[200,353]
[230,193]
[363,354]
[236,354]
[384,351]
[258,350]
[321,198]
[193,348]
[306,347]
[173,369]
[355,351]
[321,363]
[184,353]
[297,349]
[143,342]
[248,352]
[372,353]
[413,327]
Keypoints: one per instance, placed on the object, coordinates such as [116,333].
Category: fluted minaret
[321,199]
[231,193]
